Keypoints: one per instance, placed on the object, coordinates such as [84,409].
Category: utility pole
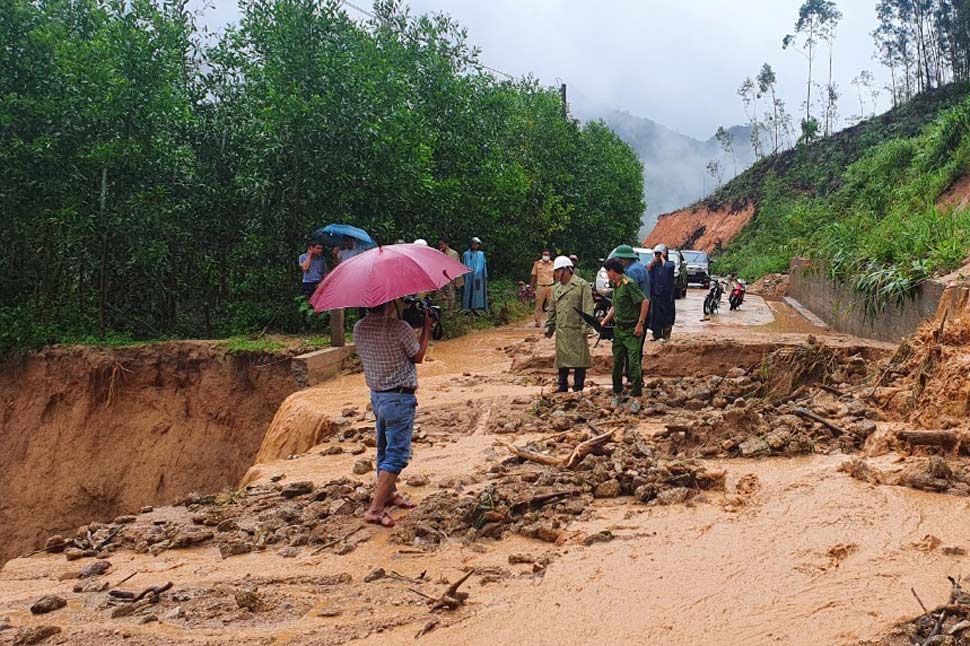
[565,109]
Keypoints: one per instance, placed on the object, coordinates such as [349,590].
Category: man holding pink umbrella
[387,347]
[389,351]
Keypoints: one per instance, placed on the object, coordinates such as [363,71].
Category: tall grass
[881,231]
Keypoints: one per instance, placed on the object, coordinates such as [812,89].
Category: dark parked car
[698,267]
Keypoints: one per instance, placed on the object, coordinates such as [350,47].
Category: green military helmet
[626,252]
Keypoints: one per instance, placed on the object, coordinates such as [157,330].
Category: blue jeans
[395,423]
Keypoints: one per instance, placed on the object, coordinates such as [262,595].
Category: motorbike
[601,305]
[737,295]
[713,299]
[414,312]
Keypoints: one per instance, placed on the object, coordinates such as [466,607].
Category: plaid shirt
[385,346]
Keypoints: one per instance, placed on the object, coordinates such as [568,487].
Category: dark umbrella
[333,235]
[605,331]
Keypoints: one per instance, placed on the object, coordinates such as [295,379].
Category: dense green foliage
[155,182]
[874,221]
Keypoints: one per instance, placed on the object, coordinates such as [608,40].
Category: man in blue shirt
[314,267]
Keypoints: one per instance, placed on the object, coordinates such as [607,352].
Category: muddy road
[663,533]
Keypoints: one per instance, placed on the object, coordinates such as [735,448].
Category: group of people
[313,263]
[389,349]
[473,287]
[643,298]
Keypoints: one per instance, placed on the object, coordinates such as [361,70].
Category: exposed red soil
[927,378]
[700,227]
[957,196]
[91,433]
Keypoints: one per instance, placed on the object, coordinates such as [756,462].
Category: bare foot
[400,501]
[383,519]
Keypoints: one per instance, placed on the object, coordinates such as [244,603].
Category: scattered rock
[754,446]
[548,534]
[125,520]
[374,575]
[55,544]
[608,489]
[47,603]
[358,449]
[295,489]
[35,635]
[234,548]
[97,568]
[95,585]
[333,449]
[329,612]
[363,466]
[598,537]
[673,496]
[249,600]
[73,553]
[953,550]
[147,509]
[290,552]
[419,480]
[174,613]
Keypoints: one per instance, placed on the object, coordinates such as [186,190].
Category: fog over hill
[674,165]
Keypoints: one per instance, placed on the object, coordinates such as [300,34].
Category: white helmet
[562,262]
[421,242]
[660,248]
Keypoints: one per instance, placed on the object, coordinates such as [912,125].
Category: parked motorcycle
[737,294]
[601,305]
[713,299]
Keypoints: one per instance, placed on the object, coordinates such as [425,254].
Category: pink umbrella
[382,274]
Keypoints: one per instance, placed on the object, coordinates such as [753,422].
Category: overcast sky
[678,62]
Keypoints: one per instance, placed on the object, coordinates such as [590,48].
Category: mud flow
[782,484]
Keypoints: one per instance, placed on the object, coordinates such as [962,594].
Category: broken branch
[815,417]
[946,439]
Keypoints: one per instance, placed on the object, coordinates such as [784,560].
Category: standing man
[475,297]
[637,272]
[541,283]
[661,294]
[389,351]
[629,312]
[458,283]
[314,267]
[348,250]
[570,293]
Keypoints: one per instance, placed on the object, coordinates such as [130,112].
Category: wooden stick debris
[534,456]
[815,417]
[337,540]
[946,439]
[452,598]
[585,448]
[154,591]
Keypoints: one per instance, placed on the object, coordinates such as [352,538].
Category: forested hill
[867,200]
[674,165]
[157,181]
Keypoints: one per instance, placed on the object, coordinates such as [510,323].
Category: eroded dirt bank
[700,227]
[722,514]
[89,434]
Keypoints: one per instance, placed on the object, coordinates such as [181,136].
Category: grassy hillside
[864,200]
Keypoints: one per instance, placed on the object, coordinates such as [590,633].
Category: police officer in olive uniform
[629,312]
[570,295]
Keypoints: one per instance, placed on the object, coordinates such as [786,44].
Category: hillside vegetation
[159,181]
[864,200]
